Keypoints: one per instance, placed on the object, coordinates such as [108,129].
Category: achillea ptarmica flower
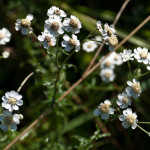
[89,46]
[71,43]
[55,11]
[47,39]
[54,26]
[117,58]
[107,75]
[127,55]
[72,24]
[134,89]
[124,100]
[5,54]
[104,110]
[128,118]
[24,24]
[142,55]
[12,100]
[108,62]
[5,36]
[9,121]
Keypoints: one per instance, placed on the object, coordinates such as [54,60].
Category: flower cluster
[5,36]
[108,66]
[142,55]
[124,100]
[108,35]
[11,102]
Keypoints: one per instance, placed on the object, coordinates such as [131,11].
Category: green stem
[142,129]
[144,122]
[130,73]
[35,35]
[142,74]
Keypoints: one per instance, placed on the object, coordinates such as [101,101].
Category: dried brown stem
[102,45]
[24,81]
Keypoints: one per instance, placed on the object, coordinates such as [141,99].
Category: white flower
[5,36]
[124,100]
[127,55]
[108,62]
[117,58]
[71,43]
[54,26]
[142,55]
[12,100]
[99,27]
[47,39]
[98,38]
[148,67]
[55,11]
[134,89]
[128,118]
[5,54]
[9,120]
[89,46]
[72,24]
[24,24]
[104,110]
[107,75]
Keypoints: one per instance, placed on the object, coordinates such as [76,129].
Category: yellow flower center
[72,42]
[25,23]
[107,63]
[74,23]
[113,40]
[144,54]
[12,101]
[130,119]
[89,45]
[2,35]
[8,120]
[136,87]
[57,12]
[54,26]
[125,100]
[104,108]
[107,75]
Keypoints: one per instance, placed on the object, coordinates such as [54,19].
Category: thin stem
[141,75]
[34,35]
[144,122]
[24,81]
[142,129]
[130,73]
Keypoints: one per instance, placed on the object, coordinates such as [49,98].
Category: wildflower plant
[55,44]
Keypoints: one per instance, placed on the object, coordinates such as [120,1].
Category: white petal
[125,125]
[29,17]
[13,127]
[97,112]
[16,118]
[19,102]
[133,126]
[104,116]
[1,117]
[24,31]
[129,111]
[7,113]
[15,107]
[122,117]
[4,98]
[4,127]
[107,102]
[111,111]
[66,37]
[129,83]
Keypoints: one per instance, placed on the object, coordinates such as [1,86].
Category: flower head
[89,46]
[134,89]
[5,54]
[55,11]
[127,55]
[54,26]
[24,24]
[5,36]
[107,75]
[116,58]
[72,24]
[71,43]
[128,118]
[104,110]
[124,100]
[142,55]
[9,121]
[47,39]
[12,100]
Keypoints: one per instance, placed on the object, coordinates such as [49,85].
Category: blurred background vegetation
[71,123]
